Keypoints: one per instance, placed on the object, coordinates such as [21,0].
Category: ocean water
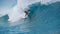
[43,19]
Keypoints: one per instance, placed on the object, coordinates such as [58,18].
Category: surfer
[27,12]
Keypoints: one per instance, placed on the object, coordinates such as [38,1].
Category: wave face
[43,19]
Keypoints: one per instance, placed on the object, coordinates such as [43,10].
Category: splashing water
[16,14]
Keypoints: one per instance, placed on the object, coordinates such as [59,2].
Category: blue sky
[7,3]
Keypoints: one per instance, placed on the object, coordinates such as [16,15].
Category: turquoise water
[43,19]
